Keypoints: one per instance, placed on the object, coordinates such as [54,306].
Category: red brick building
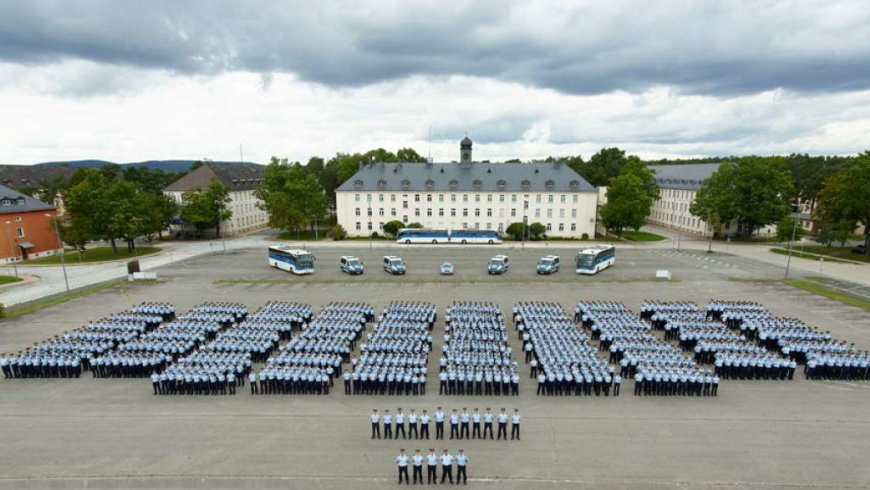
[25,230]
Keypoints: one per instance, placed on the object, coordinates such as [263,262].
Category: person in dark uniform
[432,467]
[461,464]
[402,461]
[424,425]
[446,467]
[417,461]
[376,426]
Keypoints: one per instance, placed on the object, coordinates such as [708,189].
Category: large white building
[467,195]
[242,180]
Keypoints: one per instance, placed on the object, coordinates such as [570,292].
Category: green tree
[393,227]
[291,196]
[844,202]
[415,224]
[603,167]
[516,230]
[786,226]
[206,208]
[753,190]
[409,155]
[629,197]
[338,233]
[537,229]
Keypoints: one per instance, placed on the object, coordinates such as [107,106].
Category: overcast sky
[195,79]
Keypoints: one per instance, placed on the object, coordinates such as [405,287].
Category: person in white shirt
[402,461]
[454,425]
[487,423]
[400,424]
[418,466]
[376,427]
[439,424]
[424,425]
[502,425]
[432,467]
[464,419]
[388,425]
[475,424]
[461,464]
[412,426]
[515,424]
[446,467]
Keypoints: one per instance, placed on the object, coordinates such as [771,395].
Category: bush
[375,234]
[338,233]
[2,310]
[393,227]
[415,225]
[585,236]
[515,230]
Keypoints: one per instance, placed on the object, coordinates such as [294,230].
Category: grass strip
[92,255]
[803,255]
[13,311]
[9,279]
[828,293]
[642,236]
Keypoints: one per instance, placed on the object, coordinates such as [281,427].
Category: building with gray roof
[27,226]
[467,195]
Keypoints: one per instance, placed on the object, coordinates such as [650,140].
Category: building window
[380,198]
[573,213]
[452,197]
[477,184]
[514,198]
[501,198]
[453,212]
[405,218]
[538,199]
[573,226]
[370,226]
[18,218]
[489,213]
[357,183]
[489,198]
[575,184]
[430,184]
[393,212]
[477,212]
[356,197]
[440,197]
[406,183]
[501,184]
[404,204]
[561,227]
[550,184]
[464,211]
[488,225]
[563,198]
[358,212]
[428,197]
[576,198]
[549,227]
[380,211]
[382,183]
[429,212]
[416,197]
[453,184]
[392,198]
[465,198]
[417,212]
[526,184]
[441,212]
[358,226]
[369,211]
[549,213]
[513,213]
[561,213]
[550,198]
[477,198]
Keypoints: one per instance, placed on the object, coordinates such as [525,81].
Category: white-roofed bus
[594,259]
[292,260]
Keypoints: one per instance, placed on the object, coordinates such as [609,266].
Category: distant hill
[166,165]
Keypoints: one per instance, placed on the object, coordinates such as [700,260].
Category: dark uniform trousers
[376,429]
[502,430]
[403,470]
[418,473]
[439,430]
[515,431]
[460,474]
[487,427]
[454,430]
[447,473]
[475,430]
[413,433]
[432,474]
[424,431]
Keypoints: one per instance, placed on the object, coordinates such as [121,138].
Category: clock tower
[465,151]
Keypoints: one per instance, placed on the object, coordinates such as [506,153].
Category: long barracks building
[467,195]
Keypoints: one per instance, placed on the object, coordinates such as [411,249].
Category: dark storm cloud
[717,48]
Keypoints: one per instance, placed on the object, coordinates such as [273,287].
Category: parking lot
[112,433]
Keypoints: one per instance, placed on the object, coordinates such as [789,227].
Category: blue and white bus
[434,236]
[422,235]
[475,236]
[291,260]
[594,259]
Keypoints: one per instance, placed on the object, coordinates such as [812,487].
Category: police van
[350,265]
[548,264]
[498,264]
[394,265]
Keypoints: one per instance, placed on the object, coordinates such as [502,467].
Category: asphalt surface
[112,433]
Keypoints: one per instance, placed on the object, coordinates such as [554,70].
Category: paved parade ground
[113,433]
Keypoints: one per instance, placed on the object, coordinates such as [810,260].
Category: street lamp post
[62,259]
[316,236]
[12,254]
[791,243]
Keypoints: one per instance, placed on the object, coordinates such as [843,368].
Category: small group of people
[415,461]
[463,425]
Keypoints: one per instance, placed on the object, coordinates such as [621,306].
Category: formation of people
[394,358]
[462,425]
[432,460]
[477,358]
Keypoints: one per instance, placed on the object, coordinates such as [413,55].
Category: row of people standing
[462,425]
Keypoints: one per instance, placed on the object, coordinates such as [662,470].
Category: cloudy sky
[195,79]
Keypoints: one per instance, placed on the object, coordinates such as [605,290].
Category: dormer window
[501,184]
[406,183]
[20,201]
[477,184]
[357,183]
[6,202]
[526,184]
[382,183]
[454,184]
[550,184]
[575,184]
[430,184]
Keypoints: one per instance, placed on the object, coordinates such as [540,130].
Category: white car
[446,269]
